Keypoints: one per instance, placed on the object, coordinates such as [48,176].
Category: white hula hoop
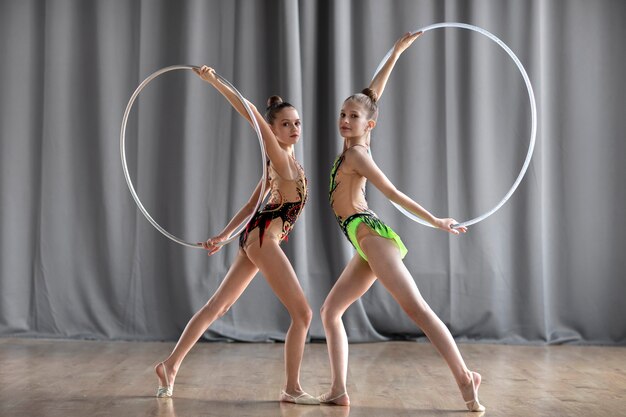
[533,110]
[125,165]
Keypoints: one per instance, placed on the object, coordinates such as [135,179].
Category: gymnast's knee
[329,315]
[303,316]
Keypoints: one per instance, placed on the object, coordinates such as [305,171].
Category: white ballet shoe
[474,404]
[168,390]
[304,398]
[324,400]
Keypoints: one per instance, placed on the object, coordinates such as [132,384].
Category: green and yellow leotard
[347,199]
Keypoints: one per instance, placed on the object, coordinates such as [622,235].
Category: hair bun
[274,101]
[370,93]
[275,105]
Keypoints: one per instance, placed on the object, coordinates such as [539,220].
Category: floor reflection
[175,407]
[182,407]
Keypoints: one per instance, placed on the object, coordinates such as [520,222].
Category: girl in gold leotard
[276,219]
[260,248]
[379,249]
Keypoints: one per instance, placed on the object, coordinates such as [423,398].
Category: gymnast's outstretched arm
[364,165]
[380,80]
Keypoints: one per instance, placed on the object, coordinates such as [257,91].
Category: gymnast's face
[286,126]
[353,121]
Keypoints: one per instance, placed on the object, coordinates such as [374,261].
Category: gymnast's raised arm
[278,157]
[380,80]
[208,74]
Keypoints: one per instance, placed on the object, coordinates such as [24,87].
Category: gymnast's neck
[357,141]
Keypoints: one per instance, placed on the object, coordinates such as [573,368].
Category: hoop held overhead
[533,110]
[143,210]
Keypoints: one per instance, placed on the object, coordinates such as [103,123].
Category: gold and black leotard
[276,219]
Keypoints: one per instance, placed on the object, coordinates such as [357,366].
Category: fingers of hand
[410,37]
[455,228]
[208,244]
[205,72]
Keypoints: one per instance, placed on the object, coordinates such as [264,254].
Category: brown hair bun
[275,105]
[370,93]
[274,101]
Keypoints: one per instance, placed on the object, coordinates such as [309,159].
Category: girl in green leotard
[379,249]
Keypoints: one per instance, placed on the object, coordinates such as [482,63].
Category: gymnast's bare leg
[275,267]
[384,263]
[240,274]
[281,277]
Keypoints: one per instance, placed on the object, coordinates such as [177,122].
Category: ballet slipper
[324,398]
[474,404]
[167,390]
[304,398]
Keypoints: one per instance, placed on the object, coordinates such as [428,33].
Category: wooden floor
[82,378]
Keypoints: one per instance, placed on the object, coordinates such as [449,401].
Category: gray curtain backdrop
[78,260]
